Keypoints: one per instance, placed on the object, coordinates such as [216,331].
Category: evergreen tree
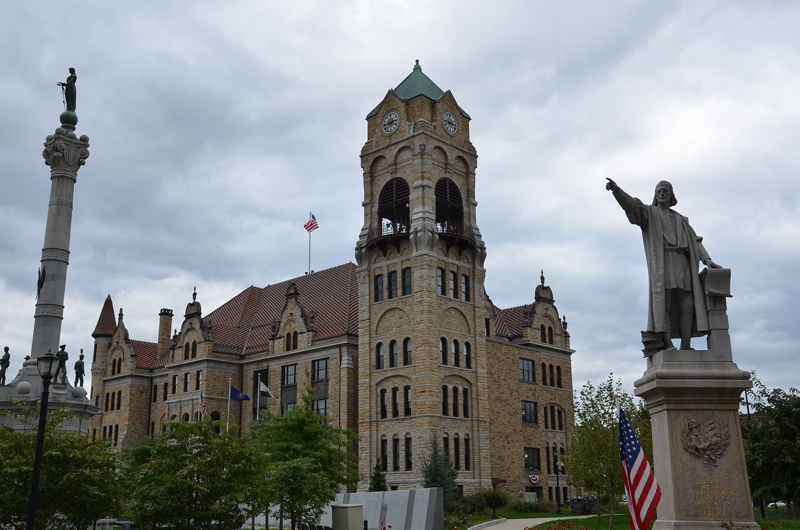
[438,472]
[377,481]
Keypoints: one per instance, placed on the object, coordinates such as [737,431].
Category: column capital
[65,153]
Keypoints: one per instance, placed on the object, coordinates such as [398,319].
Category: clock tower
[423,312]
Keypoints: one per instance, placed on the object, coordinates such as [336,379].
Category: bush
[532,507]
[472,504]
[495,496]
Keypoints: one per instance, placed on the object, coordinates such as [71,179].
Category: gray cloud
[215,129]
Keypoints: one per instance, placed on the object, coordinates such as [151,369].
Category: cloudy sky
[217,126]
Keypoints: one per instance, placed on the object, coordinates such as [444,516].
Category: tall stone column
[65,153]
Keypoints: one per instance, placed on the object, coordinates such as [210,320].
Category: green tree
[438,472]
[78,483]
[593,459]
[377,481]
[191,477]
[772,446]
[307,460]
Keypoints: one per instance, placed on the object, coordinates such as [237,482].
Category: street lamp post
[47,364]
[558,486]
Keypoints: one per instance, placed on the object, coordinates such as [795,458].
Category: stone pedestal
[693,398]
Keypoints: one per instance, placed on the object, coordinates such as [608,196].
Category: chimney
[164,329]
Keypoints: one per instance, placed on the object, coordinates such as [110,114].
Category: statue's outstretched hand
[710,263]
[611,185]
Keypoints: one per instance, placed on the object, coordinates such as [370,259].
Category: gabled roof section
[107,323]
[145,353]
[243,325]
[508,322]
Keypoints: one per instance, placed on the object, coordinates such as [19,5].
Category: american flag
[311,225]
[203,406]
[641,488]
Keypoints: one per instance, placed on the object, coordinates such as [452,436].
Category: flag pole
[309,253]
[258,396]
[228,417]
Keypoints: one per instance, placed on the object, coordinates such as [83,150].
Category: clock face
[450,123]
[390,122]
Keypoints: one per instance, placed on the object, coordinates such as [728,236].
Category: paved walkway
[520,524]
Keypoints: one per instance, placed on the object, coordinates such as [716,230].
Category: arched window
[558,377]
[560,420]
[547,458]
[544,374]
[467,454]
[185,417]
[106,408]
[443,350]
[445,408]
[186,351]
[465,399]
[379,356]
[549,335]
[393,354]
[408,345]
[456,452]
[384,455]
[382,404]
[288,342]
[446,444]
[456,354]
[152,428]
[194,350]
[542,334]
[449,209]
[552,379]
[215,417]
[294,340]
[395,453]
[455,402]
[393,207]
[408,451]
[119,400]
[197,416]
[467,355]
[113,400]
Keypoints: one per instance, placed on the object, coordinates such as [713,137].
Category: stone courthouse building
[403,346]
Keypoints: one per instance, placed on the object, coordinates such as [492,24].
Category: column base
[693,398]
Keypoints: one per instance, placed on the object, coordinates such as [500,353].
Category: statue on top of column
[68,90]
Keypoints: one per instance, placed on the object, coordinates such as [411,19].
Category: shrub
[532,507]
[472,504]
[495,496]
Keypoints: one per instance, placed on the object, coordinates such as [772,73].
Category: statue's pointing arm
[634,208]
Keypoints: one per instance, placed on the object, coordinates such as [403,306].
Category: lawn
[777,519]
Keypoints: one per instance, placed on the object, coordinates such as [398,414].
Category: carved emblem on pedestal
[706,440]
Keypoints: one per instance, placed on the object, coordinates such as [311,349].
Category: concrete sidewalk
[520,524]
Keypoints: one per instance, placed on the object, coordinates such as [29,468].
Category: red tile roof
[145,353]
[508,322]
[243,325]
[107,323]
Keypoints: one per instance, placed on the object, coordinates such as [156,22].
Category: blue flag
[236,395]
